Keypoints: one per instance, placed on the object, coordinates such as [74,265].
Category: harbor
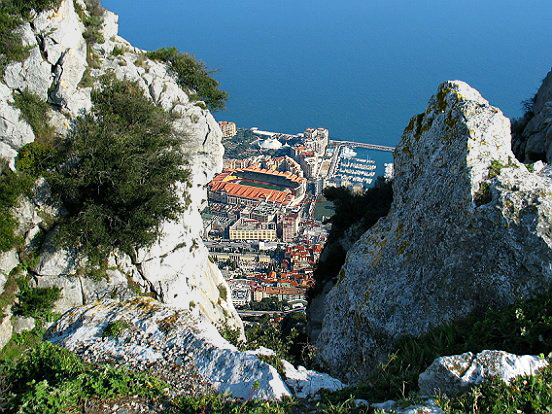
[356,165]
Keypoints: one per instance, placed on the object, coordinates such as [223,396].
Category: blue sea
[360,68]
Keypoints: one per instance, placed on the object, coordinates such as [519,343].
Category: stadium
[252,185]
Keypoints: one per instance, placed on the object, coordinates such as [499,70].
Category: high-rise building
[229,129]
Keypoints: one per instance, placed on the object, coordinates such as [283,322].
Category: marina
[355,165]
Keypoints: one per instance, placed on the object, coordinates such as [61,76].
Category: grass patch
[87,80]
[523,328]
[115,329]
[50,379]
[530,394]
[34,110]
[193,75]
[35,302]
[36,158]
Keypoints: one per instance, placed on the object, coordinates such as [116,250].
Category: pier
[362,145]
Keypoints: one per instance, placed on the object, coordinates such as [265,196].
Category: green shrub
[93,21]
[530,394]
[117,51]
[120,179]
[35,110]
[12,186]
[36,158]
[523,328]
[35,302]
[363,211]
[115,329]
[192,74]
[50,379]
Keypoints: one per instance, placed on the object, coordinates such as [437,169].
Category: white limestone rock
[453,375]
[307,383]
[393,407]
[34,73]
[22,324]
[6,328]
[8,261]
[158,330]
[468,228]
[14,131]
[176,268]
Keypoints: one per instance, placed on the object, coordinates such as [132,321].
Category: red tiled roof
[251,193]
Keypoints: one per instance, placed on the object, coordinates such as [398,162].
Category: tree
[118,179]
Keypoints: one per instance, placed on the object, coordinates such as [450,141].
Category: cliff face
[535,141]
[468,229]
[176,269]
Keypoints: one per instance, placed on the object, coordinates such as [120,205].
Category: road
[262,313]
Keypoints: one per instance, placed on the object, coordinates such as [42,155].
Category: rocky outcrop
[468,229]
[453,375]
[159,336]
[176,269]
[534,143]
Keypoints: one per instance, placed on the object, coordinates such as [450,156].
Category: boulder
[453,375]
[6,328]
[166,335]
[468,229]
[8,261]
[393,407]
[22,324]
[307,383]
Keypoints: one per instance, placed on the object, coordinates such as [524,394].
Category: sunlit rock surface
[469,228]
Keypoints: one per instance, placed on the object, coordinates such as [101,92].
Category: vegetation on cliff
[13,13]
[191,73]
[358,212]
[118,172]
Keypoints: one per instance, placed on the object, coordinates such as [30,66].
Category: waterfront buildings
[229,129]
[250,229]
[252,185]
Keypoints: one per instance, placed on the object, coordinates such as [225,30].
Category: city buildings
[250,229]
[280,293]
[252,185]
[229,129]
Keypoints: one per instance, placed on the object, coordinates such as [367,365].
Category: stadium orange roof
[251,193]
[286,174]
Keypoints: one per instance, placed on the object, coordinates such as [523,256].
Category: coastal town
[265,216]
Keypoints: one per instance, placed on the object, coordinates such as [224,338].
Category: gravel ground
[182,377]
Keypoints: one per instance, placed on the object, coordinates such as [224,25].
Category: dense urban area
[265,221]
